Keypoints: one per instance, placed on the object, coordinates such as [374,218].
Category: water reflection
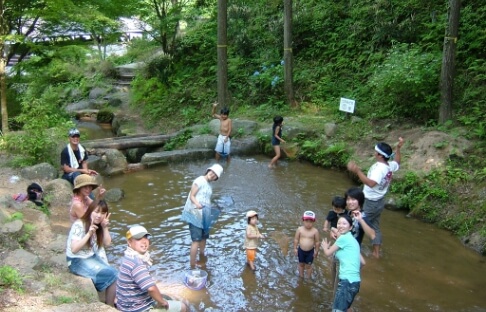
[422,269]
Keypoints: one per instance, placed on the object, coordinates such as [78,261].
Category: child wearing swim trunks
[251,238]
[306,243]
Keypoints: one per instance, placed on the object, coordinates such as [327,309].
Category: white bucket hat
[217,169]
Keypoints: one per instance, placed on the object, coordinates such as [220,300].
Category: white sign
[346,105]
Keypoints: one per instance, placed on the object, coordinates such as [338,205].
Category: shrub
[405,85]
[10,278]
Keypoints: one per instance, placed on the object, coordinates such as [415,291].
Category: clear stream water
[422,268]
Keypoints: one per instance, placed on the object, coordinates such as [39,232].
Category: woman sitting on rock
[85,252]
[84,184]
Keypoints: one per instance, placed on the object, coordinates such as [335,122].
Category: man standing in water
[376,185]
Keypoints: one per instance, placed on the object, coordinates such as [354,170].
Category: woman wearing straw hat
[199,196]
[84,184]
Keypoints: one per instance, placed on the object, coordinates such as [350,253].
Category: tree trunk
[3,66]
[223,97]
[448,60]
[3,90]
[288,58]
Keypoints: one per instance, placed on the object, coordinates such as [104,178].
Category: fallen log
[127,142]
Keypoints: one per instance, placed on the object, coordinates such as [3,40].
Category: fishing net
[291,149]
[209,217]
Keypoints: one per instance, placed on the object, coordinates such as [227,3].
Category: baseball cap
[72,132]
[309,215]
[137,232]
[251,213]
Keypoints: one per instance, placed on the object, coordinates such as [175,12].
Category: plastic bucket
[195,279]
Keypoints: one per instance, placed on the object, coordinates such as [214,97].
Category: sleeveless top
[76,199]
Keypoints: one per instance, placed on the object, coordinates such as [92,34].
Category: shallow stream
[422,268]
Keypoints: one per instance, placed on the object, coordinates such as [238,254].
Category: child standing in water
[338,208]
[251,238]
[276,139]
[306,243]
[223,145]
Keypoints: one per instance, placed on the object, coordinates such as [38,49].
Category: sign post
[347,105]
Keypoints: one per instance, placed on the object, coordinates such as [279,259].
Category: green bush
[332,156]
[10,278]
[405,85]
[40,136]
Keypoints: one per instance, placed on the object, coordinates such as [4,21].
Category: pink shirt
[76,199]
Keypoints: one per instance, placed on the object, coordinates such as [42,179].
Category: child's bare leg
[376,251]
[274,160]
[301,269]
[308,268]
[217,156]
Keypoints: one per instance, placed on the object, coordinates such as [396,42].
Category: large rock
[205,141]
[22,260]
[114,195]
[241,127]
[81,105]
[111,162]
[245,146]
[59,192]
[97,93]
[43,171]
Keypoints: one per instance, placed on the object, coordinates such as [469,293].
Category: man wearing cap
[74,159]
[136,290]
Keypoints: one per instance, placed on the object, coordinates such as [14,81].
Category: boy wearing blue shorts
[306,243]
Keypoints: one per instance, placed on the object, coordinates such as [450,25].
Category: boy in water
[338,208]
[223,145]
[251,238]
[306,243]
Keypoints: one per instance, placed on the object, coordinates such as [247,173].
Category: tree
[3,63]
[165,22]
[288,58]
[24,24]
[448,62]
[222,46]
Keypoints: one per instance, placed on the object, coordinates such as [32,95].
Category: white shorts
[223,147]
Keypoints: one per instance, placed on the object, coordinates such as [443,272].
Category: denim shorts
[94,268]
[197,234]
[345,294]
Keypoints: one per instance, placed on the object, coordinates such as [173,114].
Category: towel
[72,158]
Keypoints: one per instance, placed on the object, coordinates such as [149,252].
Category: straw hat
[83,180]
